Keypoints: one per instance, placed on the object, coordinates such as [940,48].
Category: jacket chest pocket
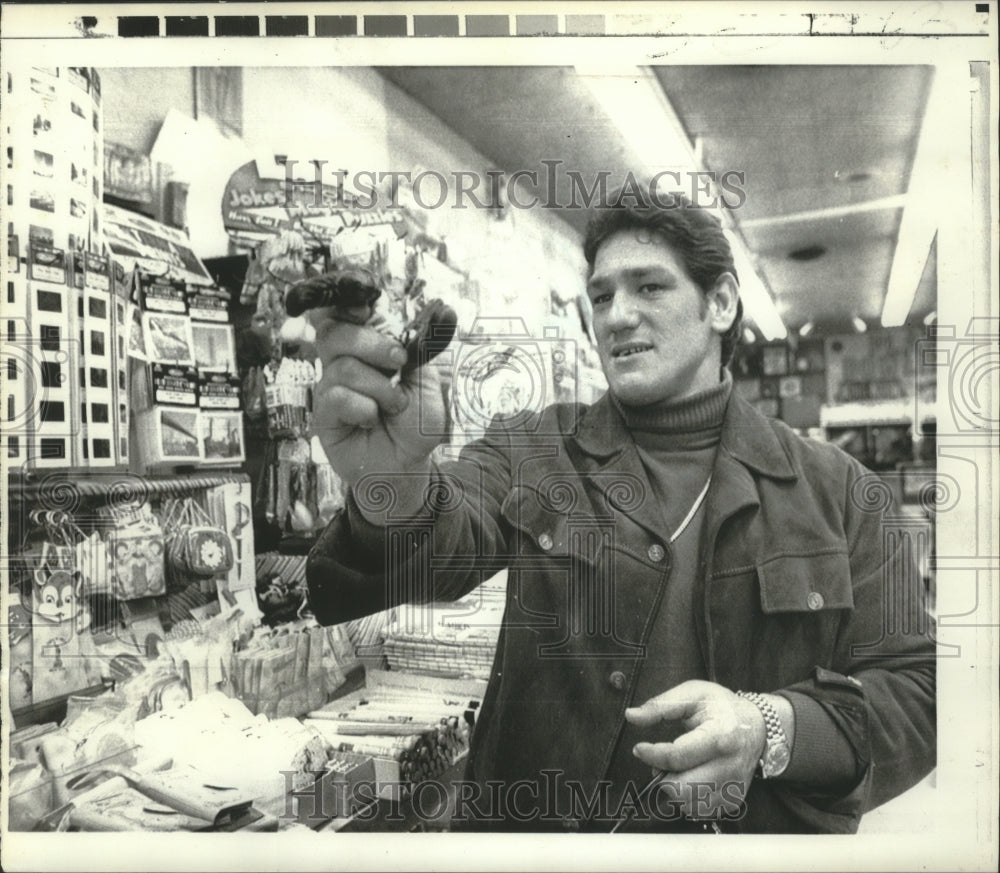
[805,583]
[543,530]
[773,624]
[803,599]
[564,580]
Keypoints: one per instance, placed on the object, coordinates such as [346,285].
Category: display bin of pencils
[414,727]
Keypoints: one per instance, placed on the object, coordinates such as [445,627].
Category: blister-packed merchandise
[195,546]
[136,544]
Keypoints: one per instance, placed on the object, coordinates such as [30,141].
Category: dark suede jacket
[803,586]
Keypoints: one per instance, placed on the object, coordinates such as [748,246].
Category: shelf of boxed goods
[426,671]
[403,716]
[399,732]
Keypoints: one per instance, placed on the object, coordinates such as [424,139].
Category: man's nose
[623,312]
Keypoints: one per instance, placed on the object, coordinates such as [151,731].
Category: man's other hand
[708,769]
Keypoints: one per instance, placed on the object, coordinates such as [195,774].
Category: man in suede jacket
[696,595]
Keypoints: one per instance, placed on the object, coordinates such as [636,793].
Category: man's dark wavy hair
[694,233]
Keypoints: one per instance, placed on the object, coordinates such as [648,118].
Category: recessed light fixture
[806,329]
[860,325]
[807,253]
[749,336]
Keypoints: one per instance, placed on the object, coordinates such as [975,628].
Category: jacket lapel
[749,444]
[613,466]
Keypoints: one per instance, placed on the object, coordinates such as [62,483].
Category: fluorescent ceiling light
[896,201]
[926,192]
[806,329]
[860,325]
[633,98]
[757,301]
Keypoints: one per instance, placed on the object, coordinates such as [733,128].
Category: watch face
[775,759]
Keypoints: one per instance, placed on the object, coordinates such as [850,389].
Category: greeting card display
[218,391]
[169,435]
[222,437]
[101,413]
[47,265]
[52,356]
[177,386]
[208,303]
[168,339]
[52,158]
[163,295]
[214,348]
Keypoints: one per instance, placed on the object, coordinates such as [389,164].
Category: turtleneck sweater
[676,442]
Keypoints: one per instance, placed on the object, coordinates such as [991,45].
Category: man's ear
[723,299]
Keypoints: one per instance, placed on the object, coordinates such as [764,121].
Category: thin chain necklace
[692,511]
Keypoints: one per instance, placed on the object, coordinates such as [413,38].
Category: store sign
[127,174]
[153,247]
[259,205]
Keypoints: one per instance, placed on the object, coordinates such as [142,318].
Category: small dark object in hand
[428,334]
[352,291]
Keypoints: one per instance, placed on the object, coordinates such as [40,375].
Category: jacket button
[545,541]
[656,552]
[618,680]
[814,600]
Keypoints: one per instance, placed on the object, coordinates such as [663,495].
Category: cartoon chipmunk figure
[57,610]
[63,656]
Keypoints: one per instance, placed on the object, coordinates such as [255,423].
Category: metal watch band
[776,749]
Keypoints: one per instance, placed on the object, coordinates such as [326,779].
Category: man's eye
[651,288]
[599,299]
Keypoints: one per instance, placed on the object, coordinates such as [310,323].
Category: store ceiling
[810,140]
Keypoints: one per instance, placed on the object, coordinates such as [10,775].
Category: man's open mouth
[625,351]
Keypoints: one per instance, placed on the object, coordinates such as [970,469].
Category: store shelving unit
[81,494]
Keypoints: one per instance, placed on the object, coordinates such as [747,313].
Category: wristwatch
[776,749]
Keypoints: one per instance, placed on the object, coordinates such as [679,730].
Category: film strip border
[966,19]
[379,25]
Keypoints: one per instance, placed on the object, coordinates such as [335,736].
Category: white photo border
[961,831]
